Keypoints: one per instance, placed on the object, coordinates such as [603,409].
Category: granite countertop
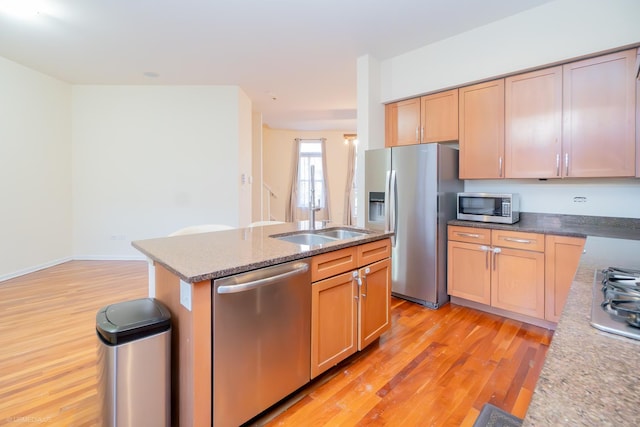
[566,225]
[206,256]
[589,377]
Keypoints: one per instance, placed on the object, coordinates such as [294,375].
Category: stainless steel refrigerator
[411,191]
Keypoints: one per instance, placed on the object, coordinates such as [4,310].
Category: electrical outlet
[185,294]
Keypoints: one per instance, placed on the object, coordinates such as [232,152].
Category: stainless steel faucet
[312,200]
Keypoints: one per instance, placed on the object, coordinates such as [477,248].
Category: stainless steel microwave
[502,208]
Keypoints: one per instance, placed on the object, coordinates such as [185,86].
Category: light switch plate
[185,294]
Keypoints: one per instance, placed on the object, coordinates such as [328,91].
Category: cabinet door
[468,273]
[374,316]
[599,116]
[638,115]
[334,312]
[533,124]
[402,123]
[562,256]
[439,117]
[482,130]
[517,281]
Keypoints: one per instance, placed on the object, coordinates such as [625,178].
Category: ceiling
[295,59]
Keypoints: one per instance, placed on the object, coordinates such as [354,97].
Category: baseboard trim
[53,263]
[504,313]
[34,268]
[109,258]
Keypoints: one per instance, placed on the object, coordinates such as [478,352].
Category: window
[310,154]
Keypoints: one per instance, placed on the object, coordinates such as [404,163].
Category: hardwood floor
[48,341]
[435,367]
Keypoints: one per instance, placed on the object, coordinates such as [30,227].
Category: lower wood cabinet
[562,256]
[517,281]
[352,308]
[527,274]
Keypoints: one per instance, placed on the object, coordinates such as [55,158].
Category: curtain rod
[310,139]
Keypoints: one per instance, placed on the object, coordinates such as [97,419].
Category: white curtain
[298,211]
[292,213]
[348,218]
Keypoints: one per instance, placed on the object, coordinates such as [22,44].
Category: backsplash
[615,197]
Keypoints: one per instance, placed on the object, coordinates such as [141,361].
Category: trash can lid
[130,320]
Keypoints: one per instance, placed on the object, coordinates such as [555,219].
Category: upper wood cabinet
[599,116]
[481,116]
[402,123]
[431,118]
[439,117]
[533,124]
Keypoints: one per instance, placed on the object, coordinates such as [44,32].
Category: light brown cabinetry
[430,118]
[533,124]
[512,273]
[481,116]
[402,123]
[638,115]
[439,117]
[352,307]
[517,272]
[503,269]
[562,255]
[468,272]
[599,116]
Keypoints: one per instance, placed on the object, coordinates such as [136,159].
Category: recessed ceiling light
[21,9]
[151,74]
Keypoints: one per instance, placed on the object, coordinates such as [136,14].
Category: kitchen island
[184,268]
[589,377]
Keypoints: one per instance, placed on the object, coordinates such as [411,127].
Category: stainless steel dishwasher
[261,339]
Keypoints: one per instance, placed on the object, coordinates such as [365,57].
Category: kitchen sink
[340,233]
[306,239]
[319,237]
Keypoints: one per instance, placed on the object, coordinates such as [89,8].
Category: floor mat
[492,416]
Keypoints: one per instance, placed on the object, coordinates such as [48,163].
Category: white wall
[370,120]
[244,124]
[278,157]
[148,160]
[604,197]
[257,190]
[554,32]
[35,170]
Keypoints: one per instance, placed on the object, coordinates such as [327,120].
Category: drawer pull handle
[525,241]
[474,236]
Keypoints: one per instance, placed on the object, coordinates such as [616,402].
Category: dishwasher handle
[297,268]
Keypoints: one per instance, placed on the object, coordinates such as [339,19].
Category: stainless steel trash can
[134,366]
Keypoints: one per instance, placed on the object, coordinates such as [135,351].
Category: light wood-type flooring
[435,367]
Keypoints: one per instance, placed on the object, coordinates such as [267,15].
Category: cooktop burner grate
[616,301]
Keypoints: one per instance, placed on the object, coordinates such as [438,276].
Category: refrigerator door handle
[393,204]
[387,203]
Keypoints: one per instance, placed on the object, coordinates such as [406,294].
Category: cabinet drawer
[470,235]
[518,240]
[333,263]
[374,251]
